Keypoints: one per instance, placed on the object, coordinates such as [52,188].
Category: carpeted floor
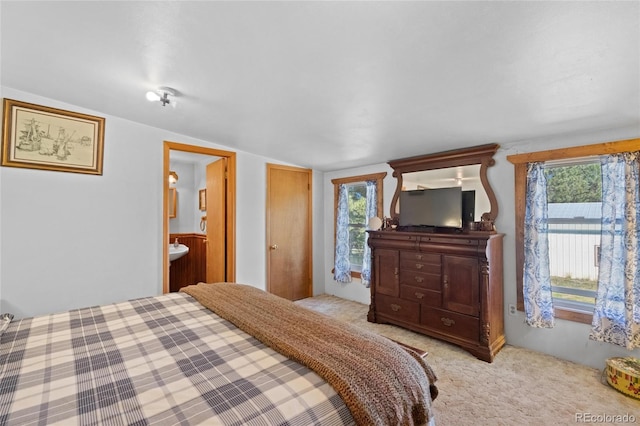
[521,387]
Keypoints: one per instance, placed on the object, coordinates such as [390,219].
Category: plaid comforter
[159,360]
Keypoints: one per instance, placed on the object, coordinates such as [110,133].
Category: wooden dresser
[448,286]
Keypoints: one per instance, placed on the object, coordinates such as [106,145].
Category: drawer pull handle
[419,256]
[419,265]
[447,321]
[396,271]
[394,307]
[419,279]
[419,295]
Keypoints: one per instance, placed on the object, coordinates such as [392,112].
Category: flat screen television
[431,208]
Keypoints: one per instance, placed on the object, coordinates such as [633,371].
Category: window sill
[569,314]
[573,315]
[354,274]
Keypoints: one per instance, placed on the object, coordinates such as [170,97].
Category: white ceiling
[332,85]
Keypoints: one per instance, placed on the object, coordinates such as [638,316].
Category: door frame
[230,206]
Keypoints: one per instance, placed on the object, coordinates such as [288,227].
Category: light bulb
[153,97]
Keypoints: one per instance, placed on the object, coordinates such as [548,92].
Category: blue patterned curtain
[342,266]
[371,210]
[616,318]
[538,302]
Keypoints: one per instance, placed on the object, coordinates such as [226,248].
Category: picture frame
[45,138]
[202,204]
[173,203]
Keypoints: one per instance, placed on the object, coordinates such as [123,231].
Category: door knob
[274,247]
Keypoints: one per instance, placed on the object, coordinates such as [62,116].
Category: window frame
[520,162]
[379,178]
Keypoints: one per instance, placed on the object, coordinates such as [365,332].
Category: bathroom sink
[177,252]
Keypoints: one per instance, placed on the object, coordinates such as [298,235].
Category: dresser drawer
[447,322]
[413,265]
[420,257]
[398,308]
[420,279]
[421,262]
[421,295]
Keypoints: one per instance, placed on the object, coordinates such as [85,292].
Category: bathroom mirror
[465,167]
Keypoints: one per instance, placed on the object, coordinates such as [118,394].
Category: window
[574,202]
[573,298]
[357,196]
[356,189]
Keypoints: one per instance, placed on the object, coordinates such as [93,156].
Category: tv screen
[440,207]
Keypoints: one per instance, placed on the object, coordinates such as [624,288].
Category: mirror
[466,177]
[465,167]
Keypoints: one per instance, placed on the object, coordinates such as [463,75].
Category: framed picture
[203,200]
[173,203]
[40,137]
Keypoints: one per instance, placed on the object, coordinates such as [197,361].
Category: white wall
[191,179]
[72,240]
[319,267]
[186,199]
[1,235]
[568,340]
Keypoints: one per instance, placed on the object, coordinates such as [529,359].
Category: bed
[219,354]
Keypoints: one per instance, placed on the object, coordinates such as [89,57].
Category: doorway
[289,236]
[225,238]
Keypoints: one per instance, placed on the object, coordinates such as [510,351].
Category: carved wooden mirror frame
[482,154]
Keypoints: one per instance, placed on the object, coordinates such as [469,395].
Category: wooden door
[216,221]
[461,284]
[386,265]
[289,264]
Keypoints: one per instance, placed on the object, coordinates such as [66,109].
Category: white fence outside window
[573,249]
[574,240]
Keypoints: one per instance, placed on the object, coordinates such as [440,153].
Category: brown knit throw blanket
[380,382]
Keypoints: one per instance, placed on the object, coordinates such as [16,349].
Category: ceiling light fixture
[162,95]
[173,177]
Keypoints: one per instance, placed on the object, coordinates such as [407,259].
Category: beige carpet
[521,387]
